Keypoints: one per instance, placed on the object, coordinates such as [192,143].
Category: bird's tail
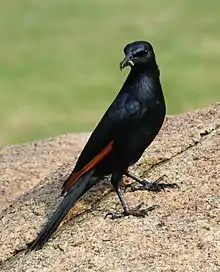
[75,192]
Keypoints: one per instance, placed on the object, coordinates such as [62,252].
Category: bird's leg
[137,211]
[155,186]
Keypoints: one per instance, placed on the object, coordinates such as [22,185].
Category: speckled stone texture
[182,234]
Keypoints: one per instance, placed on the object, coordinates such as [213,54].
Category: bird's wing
[113,124]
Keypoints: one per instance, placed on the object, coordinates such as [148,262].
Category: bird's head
[138,53]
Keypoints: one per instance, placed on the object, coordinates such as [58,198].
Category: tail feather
[75,192]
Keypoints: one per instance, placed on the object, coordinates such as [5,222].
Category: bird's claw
[155,186]
[114,215]
[137,212]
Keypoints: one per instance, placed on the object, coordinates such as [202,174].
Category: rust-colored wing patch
[74,176]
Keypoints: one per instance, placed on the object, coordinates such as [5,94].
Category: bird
[126,129]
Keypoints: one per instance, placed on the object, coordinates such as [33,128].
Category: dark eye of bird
[140,53]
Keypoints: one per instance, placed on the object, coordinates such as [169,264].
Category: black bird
[127,128]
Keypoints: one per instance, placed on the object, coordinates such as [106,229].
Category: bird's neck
[150,69]
[144,75]
[143,82]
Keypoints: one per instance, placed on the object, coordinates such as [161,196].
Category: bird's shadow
[47,193]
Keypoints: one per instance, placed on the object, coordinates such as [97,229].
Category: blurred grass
[59,60]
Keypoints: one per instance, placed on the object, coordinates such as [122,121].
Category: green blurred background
[59,60]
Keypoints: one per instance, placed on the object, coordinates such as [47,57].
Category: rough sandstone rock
[183,234]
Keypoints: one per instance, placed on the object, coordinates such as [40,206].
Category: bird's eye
[141,53]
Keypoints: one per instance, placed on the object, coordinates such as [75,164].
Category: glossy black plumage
[130,124]
[134,117]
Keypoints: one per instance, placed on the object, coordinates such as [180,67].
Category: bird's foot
[155,186]
[137,212]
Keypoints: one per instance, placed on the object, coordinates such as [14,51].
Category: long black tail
[75,192]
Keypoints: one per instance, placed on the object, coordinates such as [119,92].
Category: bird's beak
[126,61]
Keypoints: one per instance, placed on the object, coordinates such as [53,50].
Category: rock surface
[182,234]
